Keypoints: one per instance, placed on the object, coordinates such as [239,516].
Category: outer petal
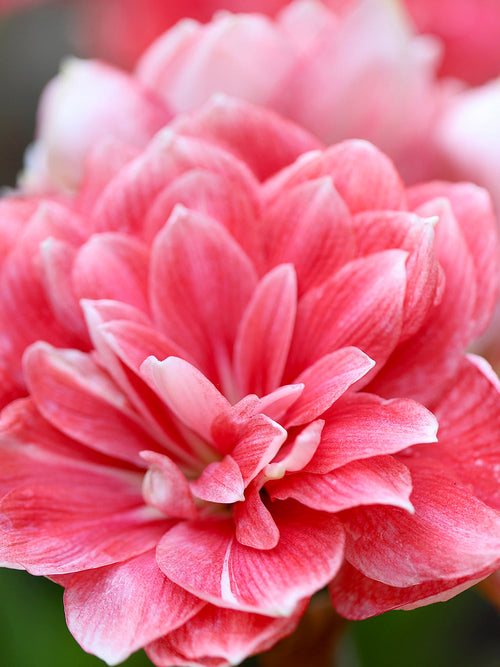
[200,282]
[265,332]
[224,634]
[264,140]
[382,480]
[329,318]
[115,610]
[309,226]
[71,532]
[80,107]
[364,177]
[325,381]
[206,559]
[79,399]
[357,597]
[468,412]
[360,426]
[451,535]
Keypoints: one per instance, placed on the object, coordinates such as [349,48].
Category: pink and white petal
[468,412]
[230,54]
[329,318]
[448,329]
[113,611]
[79,399]
[472,208]
[207,560]
[309,226]
[231,203]
[57,264]
[80,107]
[101,164]
[72,532]
[357,597]
[364,177]
[223,635]
[187,392]
[124,204]
[201,282]
[220,482]
[451,534]
[275,404]
[297,453]
[382,480]
[166,488]
[265,332]
[361,425]
[261,138]
[380,230]
[325,381]
[255,526]
[115,267]
[258,444]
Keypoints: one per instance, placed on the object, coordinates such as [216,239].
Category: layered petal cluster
[225,361]
[354,70]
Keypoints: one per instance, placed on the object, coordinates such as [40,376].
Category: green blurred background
[464,632]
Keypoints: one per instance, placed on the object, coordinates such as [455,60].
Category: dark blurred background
[464,632]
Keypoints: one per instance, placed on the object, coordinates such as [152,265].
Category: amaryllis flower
[233,374]
[359,72]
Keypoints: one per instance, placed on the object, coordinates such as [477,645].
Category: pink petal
[125,202]
[448,329]
[329,318]
[86,102]
[357,597]
[473,211]
[165,487]
[257,445]
[382,480]
[72,532]
[261,138]
[115,610]
[220,482]
[201,282]
[194,61]
[255,526]
[380,230]
[360,426]
[297,453]
[309,226]
[206,559]
[188,393]
[469,418]
[112,266]
[364,177]
[265,332]
[79,399]
[222,634]
[231,203]
[325,381]
[451,535]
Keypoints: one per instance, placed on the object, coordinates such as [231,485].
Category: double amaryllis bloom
[233,374]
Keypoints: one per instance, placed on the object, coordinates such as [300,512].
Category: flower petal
[206,559]
[265,332]
[360,426]
[165,487]
[382,480]
[201,282]
[113,611]
[220,482]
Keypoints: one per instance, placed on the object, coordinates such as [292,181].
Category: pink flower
[470,32]
[359,73]
[225,360]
